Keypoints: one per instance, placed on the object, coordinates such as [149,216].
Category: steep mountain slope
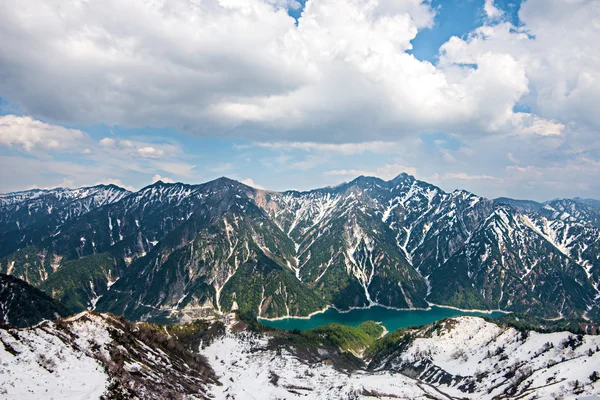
[507,265]
[343,248]
[178,251]
[239,260]
[573,210]
[90,355]
[28,217]
[399,230]
[122,231]
[23,305]
[590,202]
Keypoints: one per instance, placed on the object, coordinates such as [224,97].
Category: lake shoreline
[390,318]
[332,307]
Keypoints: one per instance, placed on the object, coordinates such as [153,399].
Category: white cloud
[333,78]
[307,163]
[164,179]
[554,48]
[50,146]
[386,172]
[29,134]
[151,152]
[447,156]
[250,182]
[107,142]
[341,148]
[531,124]
[116,182]
[67,183]
[491,10]
[339,84]
[461,176]
[222,167]
[179,169]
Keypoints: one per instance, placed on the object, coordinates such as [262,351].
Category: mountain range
[173,251]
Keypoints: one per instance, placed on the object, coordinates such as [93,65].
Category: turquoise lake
[390,319]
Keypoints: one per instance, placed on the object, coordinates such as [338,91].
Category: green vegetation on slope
[346,338]
[23,305]
[77,282]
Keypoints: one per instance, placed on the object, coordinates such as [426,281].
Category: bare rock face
[171,251]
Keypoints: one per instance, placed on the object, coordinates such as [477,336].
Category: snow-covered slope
[20,210]
[468,357]
[249,370]
[91,355]
[27,218]
[464,357]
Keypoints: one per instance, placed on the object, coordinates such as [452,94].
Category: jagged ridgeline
[173,251]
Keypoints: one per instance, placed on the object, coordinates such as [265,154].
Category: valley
[174,252]
[362,290]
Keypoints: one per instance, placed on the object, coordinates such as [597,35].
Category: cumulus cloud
[250,182]
[336,84]
[30,134]
[151,152]
[491,10]
[107,142]
[552,48]
[117,182]
[344,73]
[164,179]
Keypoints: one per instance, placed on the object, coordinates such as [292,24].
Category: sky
[498,97]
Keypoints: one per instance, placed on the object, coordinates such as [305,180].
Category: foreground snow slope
[44,367]
[37,363]
[464,357]
[90,355]
[249,371]
[469,357]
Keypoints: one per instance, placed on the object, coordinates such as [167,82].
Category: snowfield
[543,366]
[462,357]
[45,367]
[250,373]
[90,355]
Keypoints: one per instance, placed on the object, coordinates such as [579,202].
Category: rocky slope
[179,251]
[29,217]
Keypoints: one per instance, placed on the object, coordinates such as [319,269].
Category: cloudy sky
[498,97]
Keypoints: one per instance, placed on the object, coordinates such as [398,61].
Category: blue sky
[304,95]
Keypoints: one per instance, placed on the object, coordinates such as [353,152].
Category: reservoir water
[389,318]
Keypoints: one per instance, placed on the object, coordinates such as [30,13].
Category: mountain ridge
[363,242]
